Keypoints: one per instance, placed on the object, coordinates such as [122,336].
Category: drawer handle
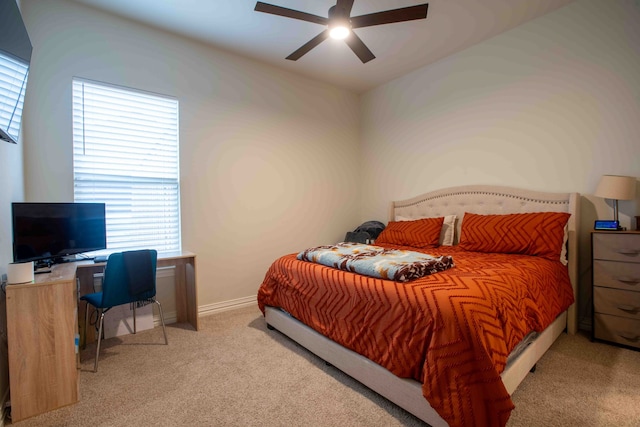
[629,281]
[629,309]
[630,252]
[629,337]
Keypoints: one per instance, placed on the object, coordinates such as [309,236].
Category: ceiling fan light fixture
[339,32]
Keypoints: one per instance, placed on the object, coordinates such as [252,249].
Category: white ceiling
[233,25]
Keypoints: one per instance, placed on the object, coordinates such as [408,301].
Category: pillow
[538,234]
[421,233]
[447,233]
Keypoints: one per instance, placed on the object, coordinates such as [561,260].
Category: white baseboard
[218,307]
[169,318]
[208,310]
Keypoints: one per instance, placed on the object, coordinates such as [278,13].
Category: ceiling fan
[340,23]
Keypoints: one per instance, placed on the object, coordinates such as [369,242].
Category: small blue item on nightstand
[100,258]
[606,225]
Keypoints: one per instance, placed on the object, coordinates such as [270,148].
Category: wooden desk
[41,328]
[185,294]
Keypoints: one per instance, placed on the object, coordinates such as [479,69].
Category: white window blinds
[13,80]
[125,154]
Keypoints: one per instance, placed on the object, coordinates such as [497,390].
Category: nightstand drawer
[613,274]
[617,329]
[617,302]
[616,247]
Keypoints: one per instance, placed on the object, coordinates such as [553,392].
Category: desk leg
[192,297]
[186,293]
[181,289]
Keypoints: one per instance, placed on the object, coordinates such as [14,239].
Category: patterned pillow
[421,233]
[538,234]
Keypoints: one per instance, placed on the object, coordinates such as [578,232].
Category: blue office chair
[129,277]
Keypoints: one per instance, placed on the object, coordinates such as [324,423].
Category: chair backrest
[129,276]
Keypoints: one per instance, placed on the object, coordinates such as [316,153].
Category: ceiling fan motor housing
[338,14]
[339,21]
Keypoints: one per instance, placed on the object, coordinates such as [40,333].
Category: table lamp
[616,187]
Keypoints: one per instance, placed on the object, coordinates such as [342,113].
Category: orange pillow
[421,233]
[538,234]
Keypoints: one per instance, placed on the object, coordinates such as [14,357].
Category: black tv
[51,232]
[15,59]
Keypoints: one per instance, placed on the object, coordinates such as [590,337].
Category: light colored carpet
[234,372]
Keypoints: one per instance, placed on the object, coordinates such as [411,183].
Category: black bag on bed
[365,233]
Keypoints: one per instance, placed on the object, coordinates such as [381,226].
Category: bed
[442,370]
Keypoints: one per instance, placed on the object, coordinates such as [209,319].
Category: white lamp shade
[616,187]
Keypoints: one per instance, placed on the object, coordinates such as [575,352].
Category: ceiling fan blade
[290,13]
[359,48]
[309,45]
[346,5]
[390,16]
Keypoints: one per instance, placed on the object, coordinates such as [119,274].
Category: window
[125,154]
[13,80]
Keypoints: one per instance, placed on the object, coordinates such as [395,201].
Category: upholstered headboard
[488,199]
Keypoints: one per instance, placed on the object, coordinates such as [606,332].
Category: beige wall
[551,105]
[11,190]
[268,159]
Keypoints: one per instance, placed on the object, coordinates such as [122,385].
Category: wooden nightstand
[616,286]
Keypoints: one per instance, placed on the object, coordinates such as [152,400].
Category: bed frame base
[405,393]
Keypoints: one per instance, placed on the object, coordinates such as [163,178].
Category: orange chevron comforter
[452,331]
